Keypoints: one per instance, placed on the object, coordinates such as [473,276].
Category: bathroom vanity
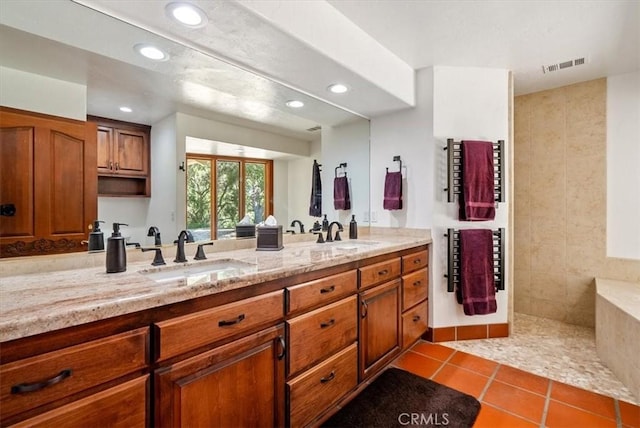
[244,338]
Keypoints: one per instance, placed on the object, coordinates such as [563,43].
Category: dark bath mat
[400,399]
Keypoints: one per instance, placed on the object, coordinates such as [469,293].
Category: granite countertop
[36,303]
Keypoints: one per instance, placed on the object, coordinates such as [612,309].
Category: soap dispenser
[353,228]
[116,252]
[325,224]
[96,238]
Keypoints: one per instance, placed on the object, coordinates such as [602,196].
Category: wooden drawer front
[311,393]
[415,261]
[379,272]
[415,287]
[123,406]
[320,333]
[414,323]
[57,374]
[315,293]
[182,334]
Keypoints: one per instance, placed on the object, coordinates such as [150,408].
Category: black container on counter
[116,251]
[353,228]
[269,238]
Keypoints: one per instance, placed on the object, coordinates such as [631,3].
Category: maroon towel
[393,191]
[477,200]
[341,199]
[477,289]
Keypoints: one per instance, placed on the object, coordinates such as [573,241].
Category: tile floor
[512,397]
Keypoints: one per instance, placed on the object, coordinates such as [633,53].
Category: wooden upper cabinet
[48,183]
[123,158]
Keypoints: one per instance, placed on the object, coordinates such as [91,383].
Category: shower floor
[558,351]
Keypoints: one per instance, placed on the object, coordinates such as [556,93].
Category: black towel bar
[342,165]
[453,264]
[454,169]
[397,159]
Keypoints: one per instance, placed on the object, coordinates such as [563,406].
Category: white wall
[281,191]
[41,94]
[452,102]
[623,161]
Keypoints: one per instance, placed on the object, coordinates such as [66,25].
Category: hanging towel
[477,200]
[341,199]
[477,289]
[315,206]
[393,191]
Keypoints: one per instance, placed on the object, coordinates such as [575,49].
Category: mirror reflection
[223,142]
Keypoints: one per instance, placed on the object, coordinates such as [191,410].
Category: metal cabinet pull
[416,261]
[417,283]
[224,323]
[110,164]
[416,318]
[364,310]
[327,289]
[326,379]
[329,323]
[117,166]
[383,272]
[284,348]
[37,386]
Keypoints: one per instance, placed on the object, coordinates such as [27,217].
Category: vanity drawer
[379,272]
[415,287]
[311,393]
[44,378]
[321,291]
[415,261]
[320,333]
[414,323]
[185,333]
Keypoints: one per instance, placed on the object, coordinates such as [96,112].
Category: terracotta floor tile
[586,400]
[490,417]
[630,414]
[563,416]
[515,400]
[461,379]
[418,364]
[475,364]
[437,352]
[522,379]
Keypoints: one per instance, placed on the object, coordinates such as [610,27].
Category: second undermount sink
[353,244]
[208,270]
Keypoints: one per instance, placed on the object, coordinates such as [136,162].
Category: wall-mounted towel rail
[454,169]
[397,159]
[453,264]
[343,166]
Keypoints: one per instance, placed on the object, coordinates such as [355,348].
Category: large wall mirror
[196,105]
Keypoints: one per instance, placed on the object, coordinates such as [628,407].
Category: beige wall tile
[548,284]
[548,308]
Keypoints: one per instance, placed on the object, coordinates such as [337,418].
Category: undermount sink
[352,244]
[210,270]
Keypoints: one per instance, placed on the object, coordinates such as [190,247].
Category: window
[230,188]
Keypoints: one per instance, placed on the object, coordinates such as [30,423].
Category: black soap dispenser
[353,228]
[116,251]
[325,224]
[96,238]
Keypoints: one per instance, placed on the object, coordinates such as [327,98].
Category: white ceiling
[256,54]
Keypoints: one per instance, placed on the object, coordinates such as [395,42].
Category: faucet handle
[320,238]
[158,260]
[200,255]
[337,237]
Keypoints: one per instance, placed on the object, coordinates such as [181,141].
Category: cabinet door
[238,384]
[379,327]
[130,152]
[49,173]
[105,149]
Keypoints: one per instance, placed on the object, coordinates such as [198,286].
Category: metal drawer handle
[417,283]
[224,323]
[284,348]
[364,310]
[416,318]
[37,386]
[416,261]
[110,165]
[327,289]
[329,323]
[326,379]
[383,272]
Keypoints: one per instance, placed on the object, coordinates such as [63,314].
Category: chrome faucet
[155,232]
[329,229]
[180,257]
[299,223]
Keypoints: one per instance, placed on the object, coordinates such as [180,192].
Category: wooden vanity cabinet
[415,293]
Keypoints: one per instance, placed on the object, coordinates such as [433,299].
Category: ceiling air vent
[315,128]
[564,64]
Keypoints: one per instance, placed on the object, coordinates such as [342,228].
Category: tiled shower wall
[560,203]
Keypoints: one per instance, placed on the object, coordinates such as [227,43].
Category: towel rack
[342,165]
[453,265]
[454,169]
[397,159]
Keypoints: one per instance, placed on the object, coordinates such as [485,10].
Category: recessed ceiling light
[151,52]
[294,104]
[126,109]
[187,14]
[338,88]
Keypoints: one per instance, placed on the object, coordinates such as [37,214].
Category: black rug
[400,399]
